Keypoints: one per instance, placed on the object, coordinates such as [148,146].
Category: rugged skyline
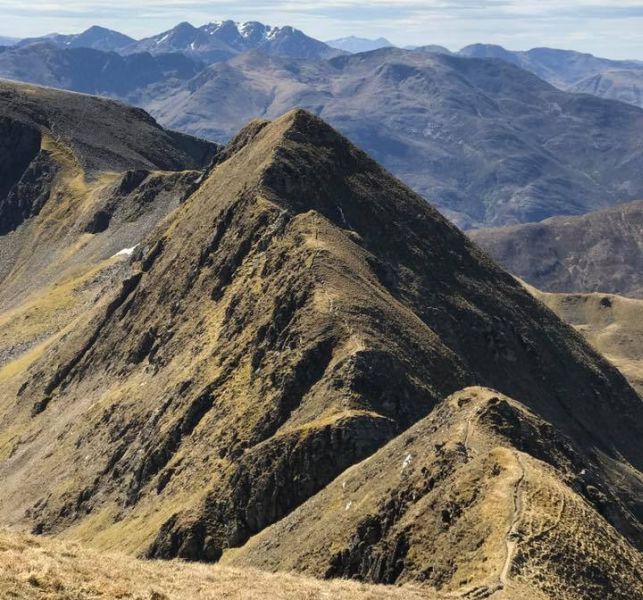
[606,28]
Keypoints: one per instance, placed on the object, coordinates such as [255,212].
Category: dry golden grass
[612,324]
[38,568]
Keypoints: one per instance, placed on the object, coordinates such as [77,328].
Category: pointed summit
[299,311]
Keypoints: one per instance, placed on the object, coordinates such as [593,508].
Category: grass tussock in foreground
[41,568]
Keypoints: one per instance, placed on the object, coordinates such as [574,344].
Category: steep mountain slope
[97,38]
[94,72]
[221,40]
[298,311]
[611,324]
[486,142]
[562,68]
[481,496]
[601,251]
[355,45]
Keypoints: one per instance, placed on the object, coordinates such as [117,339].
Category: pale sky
[611,29]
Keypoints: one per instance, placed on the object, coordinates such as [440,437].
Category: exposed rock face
[26,175]
[19,145]
[597,252]
[296,312]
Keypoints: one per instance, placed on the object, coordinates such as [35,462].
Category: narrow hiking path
[513,535]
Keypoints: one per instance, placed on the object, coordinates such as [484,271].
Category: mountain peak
[220,40]
[298,310]
[356,45]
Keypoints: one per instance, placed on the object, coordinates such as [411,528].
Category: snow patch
[272,33]
[126,251]
[407,461]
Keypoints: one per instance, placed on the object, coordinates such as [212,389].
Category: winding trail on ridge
[513,536]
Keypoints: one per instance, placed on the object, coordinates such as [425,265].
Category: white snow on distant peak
[126,251]
[272,33]
[245,29]
[167,35]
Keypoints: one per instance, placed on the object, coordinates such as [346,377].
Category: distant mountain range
[625,85]
[8,41]
[486,141]
[562,68]
[574,71]
[598,252]
[210,43]
[97,38]
[95,72]
[217,41]
[355,45]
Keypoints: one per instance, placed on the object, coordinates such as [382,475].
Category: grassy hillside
[38,569]
[611,324]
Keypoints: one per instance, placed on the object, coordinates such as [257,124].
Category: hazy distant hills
[97,38]
[486,141]
[8,41]
[574,71]
[597,252]
[355,45]
[625,85]
[93,71]
[561,68]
